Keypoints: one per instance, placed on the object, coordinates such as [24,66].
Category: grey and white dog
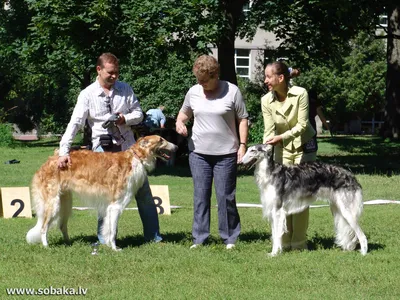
[289,189]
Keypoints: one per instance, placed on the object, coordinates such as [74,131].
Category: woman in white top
[217,144]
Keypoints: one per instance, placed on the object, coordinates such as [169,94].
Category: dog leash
[135,154]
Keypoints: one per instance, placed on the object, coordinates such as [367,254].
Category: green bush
[256,131]
[165,83]
[252,93]
[6,136]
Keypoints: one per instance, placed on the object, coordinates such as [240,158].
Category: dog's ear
[143,142]
[270,152]
[263,148]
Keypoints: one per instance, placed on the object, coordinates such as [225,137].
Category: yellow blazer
[289,119]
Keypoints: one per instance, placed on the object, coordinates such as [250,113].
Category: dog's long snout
[247,157]
[172,147]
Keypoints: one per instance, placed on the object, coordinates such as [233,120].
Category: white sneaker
[195,246]
[230,246]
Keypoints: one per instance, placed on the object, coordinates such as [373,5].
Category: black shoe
[13,161]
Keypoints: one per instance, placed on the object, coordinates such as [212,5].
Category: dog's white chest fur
[134,182]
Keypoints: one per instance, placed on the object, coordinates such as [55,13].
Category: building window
[383,21]
[242,62]
[7,5]
[246,8]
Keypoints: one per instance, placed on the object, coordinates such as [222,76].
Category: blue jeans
[223,170]
[147,211]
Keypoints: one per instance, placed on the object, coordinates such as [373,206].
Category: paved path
[26,137]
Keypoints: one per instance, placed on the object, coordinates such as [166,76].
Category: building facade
[250,55]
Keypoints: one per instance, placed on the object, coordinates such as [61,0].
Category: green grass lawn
[169,270]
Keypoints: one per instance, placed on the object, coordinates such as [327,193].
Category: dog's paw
[272,254]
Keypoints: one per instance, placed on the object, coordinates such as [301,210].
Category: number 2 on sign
[15,202]
[21,207]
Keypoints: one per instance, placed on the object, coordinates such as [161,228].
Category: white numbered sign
[15,202]
[161,198]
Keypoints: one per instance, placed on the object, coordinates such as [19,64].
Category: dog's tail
[34,235]
[347,212]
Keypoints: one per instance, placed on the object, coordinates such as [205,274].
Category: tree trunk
[226,58]
[87,131]
[226,44]
[392,111]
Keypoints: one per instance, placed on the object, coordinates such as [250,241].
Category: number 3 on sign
[161,198]
[16,202]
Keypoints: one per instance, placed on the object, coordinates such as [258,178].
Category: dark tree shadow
[53,142]
[371,155]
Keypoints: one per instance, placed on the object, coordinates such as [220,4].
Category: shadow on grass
[365,164]
[133,241]
[170,237]
[254,236]
[130,240]
[368,145]
[185,237]
[317,242]
[43,142]
[370,155]
[85,239]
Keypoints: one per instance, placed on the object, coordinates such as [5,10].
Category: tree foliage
[358,87]
[316,32]
[62,40]
[48,49]
[165,37]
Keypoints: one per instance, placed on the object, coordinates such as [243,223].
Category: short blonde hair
[206,66]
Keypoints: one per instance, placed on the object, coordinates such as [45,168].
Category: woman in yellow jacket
[287,127]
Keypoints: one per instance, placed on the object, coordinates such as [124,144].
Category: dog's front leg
[278,218]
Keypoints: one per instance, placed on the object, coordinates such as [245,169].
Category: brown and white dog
[106,180]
